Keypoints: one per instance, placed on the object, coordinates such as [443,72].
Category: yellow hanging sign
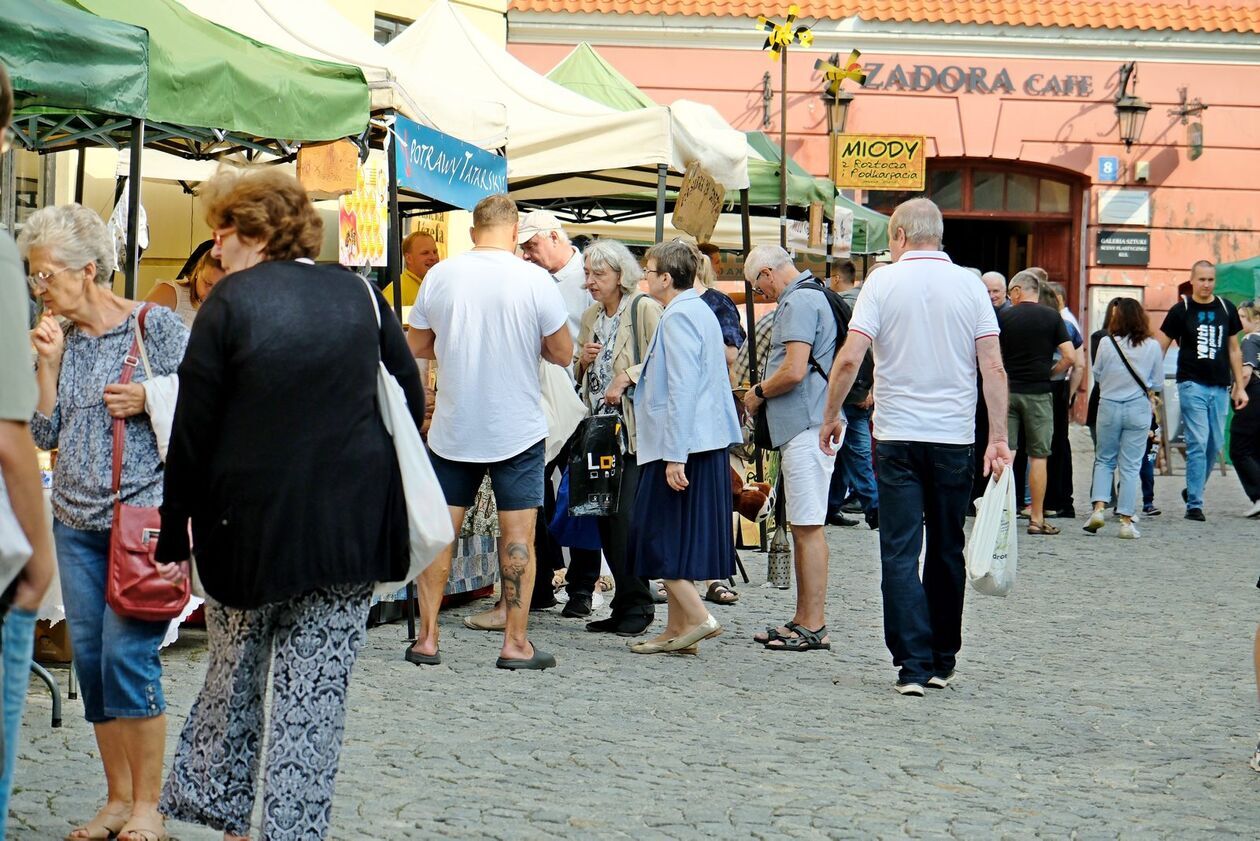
[881,162]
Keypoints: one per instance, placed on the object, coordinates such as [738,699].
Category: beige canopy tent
[561,144]
[314,29]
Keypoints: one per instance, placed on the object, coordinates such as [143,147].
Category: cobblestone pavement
[1109,697]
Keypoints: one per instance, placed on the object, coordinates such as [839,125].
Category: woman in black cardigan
[281,463]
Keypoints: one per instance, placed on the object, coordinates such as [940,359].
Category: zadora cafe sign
[954,78]
[880,162]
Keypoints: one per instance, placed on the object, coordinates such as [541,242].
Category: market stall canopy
[1239,281]
[63,60]
[587,72]
[214,91]
[314,29]
[561,144]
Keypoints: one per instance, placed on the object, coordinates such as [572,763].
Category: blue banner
[444,168]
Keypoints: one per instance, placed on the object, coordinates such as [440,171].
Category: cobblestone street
[1110,696]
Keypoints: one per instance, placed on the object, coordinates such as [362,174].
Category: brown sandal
[719,593]
[146,828]
[1043,527]
[104,825]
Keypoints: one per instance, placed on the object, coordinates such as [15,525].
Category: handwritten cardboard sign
[881,161]
[699,203]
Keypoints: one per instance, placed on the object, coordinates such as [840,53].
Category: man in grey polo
[802,347]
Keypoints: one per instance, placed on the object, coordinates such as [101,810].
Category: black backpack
[841,312]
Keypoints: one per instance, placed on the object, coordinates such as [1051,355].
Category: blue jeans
[15,677]
[1123,426]
[854,460]
[115,658]
[923,488]
[1203,410]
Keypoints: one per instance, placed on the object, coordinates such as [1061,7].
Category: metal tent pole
[80,175]
[133,211]
[662,173]
[750,313]
[393,268]
[783,173]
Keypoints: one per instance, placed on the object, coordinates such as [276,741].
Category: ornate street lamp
[1130,109]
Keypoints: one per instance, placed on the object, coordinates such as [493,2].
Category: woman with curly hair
[279,459]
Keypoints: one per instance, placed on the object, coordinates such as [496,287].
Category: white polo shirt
[923,315]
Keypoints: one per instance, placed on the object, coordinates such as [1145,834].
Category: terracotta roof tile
[1175,15]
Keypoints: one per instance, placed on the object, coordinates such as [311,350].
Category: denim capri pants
[115,658]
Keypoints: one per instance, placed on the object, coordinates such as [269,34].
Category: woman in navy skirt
[681,531]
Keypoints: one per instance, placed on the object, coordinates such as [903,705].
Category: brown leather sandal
[1043,527]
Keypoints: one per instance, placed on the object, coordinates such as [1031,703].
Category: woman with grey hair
[116,658]
[613,341]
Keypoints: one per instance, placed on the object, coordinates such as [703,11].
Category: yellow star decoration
[782,35]
[835,75]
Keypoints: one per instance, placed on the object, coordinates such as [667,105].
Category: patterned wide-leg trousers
[213,781]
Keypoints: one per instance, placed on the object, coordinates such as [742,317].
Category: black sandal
[805,640]
[772,633]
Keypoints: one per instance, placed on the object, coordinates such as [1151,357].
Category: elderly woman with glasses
[681,529]
[71,262]
[612,344]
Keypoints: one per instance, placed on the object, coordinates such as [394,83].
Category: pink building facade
[1024,150]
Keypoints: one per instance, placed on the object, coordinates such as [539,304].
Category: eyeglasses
[755,283]
[220,235]
[653,271]
[38,282]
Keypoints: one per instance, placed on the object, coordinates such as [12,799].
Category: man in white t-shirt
[928,321]
[488,316]
[544,243]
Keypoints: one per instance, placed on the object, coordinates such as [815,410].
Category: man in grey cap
[544,243]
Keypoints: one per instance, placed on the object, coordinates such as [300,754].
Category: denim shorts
[115,658]
[517,481]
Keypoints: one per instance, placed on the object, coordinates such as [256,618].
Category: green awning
[203,75]
[586,72]
[62,59]
[769,150]
[1239,281]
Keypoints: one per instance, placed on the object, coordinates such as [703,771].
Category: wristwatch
[761,395]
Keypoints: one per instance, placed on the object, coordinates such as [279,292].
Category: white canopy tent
[314,29]
[561,144]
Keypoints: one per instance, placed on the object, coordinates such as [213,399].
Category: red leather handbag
[138,587]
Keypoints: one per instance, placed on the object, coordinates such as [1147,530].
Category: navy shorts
[517,481]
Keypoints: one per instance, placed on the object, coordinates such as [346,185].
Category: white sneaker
[1254,764]
[938,682]
[1095,522]
[1254,511]
[913,689]
[1129,531]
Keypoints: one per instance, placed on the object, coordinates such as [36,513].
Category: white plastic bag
[992,552]
[428,520]
[562,406]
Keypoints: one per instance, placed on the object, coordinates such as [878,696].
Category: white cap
[536,222]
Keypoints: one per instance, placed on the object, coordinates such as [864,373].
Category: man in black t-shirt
[1206,330]
[1031,333]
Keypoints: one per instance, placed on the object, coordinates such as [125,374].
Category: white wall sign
[1124,207]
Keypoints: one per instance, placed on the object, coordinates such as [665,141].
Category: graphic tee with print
[1202,333]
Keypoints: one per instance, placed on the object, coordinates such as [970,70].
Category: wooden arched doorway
[1006,215]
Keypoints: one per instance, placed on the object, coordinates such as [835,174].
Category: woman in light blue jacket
[681,530]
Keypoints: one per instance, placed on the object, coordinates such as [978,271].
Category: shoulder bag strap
[814,363]
[634,327]
[130,363]
[376,309]
[1128,367]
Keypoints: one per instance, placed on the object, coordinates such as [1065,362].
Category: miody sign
[880,162]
